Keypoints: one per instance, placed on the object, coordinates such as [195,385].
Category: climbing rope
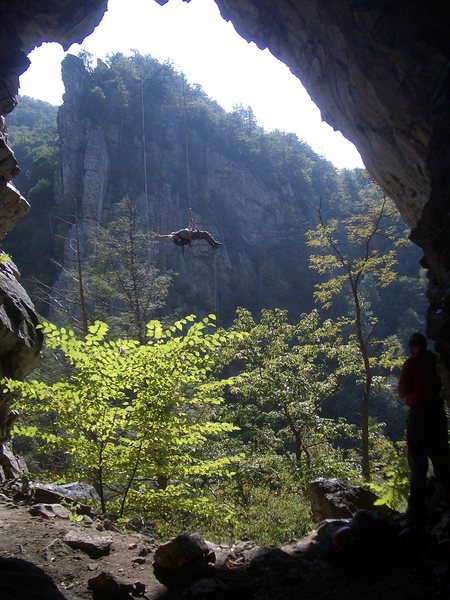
[216,289]
[191,217]
[144,160]
[186,146]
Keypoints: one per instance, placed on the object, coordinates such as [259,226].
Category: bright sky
[208,51]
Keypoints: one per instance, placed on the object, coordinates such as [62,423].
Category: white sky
[210,52]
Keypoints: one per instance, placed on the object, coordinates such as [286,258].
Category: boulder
[49,511]
[11,466]
[334,499]
[70,493]
[105,586]
[94,545]
[75,490]
[182,560]
[20,579]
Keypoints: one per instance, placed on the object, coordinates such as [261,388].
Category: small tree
[127,287]
[69,297]
[290,370]
[355,252]
[110,275]
[134,418]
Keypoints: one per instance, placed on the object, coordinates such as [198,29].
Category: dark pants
[427,438]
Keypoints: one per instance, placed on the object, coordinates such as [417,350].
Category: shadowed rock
[182,560]
[105,586]
[21,580]
[333,499]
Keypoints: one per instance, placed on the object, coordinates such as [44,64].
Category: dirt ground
[39,541]
[414,569]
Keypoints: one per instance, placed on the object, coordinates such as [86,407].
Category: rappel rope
[186,146]
[216,289]
[144,160]
[191,218]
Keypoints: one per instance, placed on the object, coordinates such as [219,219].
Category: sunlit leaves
[130,413]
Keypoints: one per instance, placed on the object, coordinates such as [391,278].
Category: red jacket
[419,375]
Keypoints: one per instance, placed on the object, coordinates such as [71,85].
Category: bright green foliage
[390,471]
[291,369]
[284,441]
[4,258]
[268,499]
[362,254]
[135,418]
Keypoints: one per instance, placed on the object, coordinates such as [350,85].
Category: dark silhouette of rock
[182,560]
[333,499]
[21,580]
[105,586]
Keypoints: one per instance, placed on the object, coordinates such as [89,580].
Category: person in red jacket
[427,430]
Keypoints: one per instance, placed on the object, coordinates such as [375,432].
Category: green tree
[354,253]
[284,439]
[122,276]
[290,369]
[133,418]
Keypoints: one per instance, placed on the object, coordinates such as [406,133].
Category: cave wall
[23,25]
[378,70]
[373,68]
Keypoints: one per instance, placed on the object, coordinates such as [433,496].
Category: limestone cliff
[187,171]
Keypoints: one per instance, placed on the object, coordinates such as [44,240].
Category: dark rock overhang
[373,67]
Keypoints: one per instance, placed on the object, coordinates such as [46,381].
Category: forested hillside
[315,287]
[34,137]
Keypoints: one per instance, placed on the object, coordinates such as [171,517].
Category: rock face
[256,219]
[372,67]
[25,25]
[20,341]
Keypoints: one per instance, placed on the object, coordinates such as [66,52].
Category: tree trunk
[365,462]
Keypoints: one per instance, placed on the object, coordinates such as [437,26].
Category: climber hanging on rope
[184,237]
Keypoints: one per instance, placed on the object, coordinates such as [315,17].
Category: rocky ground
[377,558]
[39,540]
